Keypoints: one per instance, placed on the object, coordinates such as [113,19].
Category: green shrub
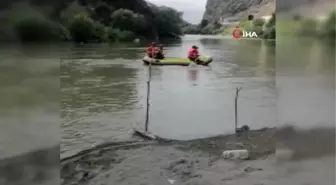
[245,25]
[62,32]
[83,29]
[258,22]
[125,19]
[227,31]
[258,30]
[218,31]
[100,32]
[270,33]
[328,27]
[23,22]
[70,12]
[169,22]
[116,35]
[126,36]
[31,29]
[271,21]
[113,34]
[191,29]
[270,28]
[204,23]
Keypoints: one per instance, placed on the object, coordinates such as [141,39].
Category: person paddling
[193,54]
[150,49]
[159,52]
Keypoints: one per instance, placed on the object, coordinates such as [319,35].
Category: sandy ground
[130,163]
[302,158]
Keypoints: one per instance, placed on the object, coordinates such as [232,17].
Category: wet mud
[173,159]
[302,157]
[201,162]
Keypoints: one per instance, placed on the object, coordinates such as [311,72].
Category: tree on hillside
[328,27]
[270,29]
[125,19]
[169,22]
[83,29]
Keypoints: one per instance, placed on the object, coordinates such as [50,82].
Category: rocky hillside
[219,12]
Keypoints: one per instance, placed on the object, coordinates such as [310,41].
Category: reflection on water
[98,98]
[103,96]
[306,83]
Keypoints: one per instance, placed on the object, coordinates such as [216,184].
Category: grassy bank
[80,23]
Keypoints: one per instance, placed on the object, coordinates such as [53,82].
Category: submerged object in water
[176,61]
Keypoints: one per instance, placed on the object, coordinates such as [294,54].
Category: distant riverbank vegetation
[265,29]
[80,22]
[297,26]
[322,27]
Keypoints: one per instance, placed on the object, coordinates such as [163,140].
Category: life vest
[150,50]
[192,53]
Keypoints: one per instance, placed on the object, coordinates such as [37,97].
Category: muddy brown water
[104,90]
[90,115]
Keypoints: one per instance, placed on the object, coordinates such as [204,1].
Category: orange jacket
[192,53]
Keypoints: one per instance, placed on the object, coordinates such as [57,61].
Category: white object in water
[236,154]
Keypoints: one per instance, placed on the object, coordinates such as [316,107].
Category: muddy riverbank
[201,162]
[148,161]
[302,157]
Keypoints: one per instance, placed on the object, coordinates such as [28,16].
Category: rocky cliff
[218,12]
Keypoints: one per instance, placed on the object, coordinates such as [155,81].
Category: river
[103,95]
[103,91]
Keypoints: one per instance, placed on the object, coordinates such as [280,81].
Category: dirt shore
[200,161]
[302,158]
[147,162]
